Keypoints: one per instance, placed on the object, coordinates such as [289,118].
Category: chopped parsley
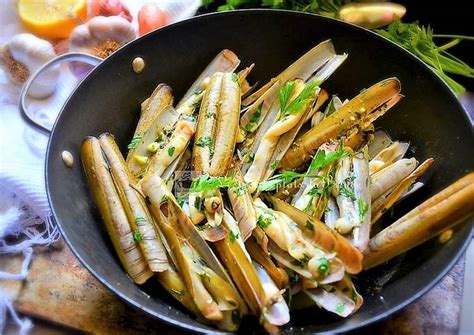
[280,180]
[164,199]
[250,158]
[254,120]
[274,165]
[137,236]
[233,237]
[171,151]
[309,225]
[324,266]
[345,188]
[363,208]
[340,307]
[300,262]
[206,142]
[263,221]
[207,183]
[134,142]
[235,78]
[322,159]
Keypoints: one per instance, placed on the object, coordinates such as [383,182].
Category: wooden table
[64,298]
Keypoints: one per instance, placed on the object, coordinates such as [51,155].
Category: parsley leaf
[309,225]
[363,208]
[137,236]
[207,183]
[134,142]
[171,151]
[305,97]
[233,237]
[254,120]
[206,142]
[322,159]
[280,180]
[323,266]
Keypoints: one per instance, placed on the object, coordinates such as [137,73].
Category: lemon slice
[52,19]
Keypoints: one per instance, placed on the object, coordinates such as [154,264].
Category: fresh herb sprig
[305,97]
[412,36]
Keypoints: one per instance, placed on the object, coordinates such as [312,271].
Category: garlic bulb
[22,56]
[101,35]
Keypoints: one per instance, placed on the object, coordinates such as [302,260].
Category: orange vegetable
[52,19]
[151,17]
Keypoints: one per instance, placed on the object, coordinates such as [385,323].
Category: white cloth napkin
[24,209]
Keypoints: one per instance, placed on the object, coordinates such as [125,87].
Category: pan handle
[71,56]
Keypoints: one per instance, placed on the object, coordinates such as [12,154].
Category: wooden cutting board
[60,290]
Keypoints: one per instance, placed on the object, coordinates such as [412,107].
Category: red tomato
[151,17]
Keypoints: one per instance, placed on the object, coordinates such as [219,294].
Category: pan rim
[203,328]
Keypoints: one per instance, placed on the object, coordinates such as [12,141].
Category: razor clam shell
[361,234]
[390,176]
[225,61]
[392,153]
[165,120]
[381,141]
[278,313]
[303,68]
[331,214]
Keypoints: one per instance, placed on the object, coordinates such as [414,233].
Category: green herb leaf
[305,97]
[171,151]
[207,183]
[321,159]
[324,266]
[137,236]
[206,142]
[254,120]
[235,78]
[309,225]
[140,219]
[164,199]
[134,142]
[340,307]
[233,237]
[280,180]
[274,164]
[363,208]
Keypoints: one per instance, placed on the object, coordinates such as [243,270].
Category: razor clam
[217,125]
[387,156]
[356,112]
[156,133]
[380,141]
[331,213]
[284,142]
[270,138]
[278,274]
[112,211]
[225,61]
[451,206]
[175,146]
[202,273]
[298,252]
[340,298]
[323,236]
[276,311]
[135,207]
[161,98]
[238,262]
[399,190]
[242,206]
[390,176]
[303,68]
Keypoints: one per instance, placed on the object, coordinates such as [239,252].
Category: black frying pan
[430,117]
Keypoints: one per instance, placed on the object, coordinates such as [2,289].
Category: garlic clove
[100,36]
[371,15]
[22,56]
